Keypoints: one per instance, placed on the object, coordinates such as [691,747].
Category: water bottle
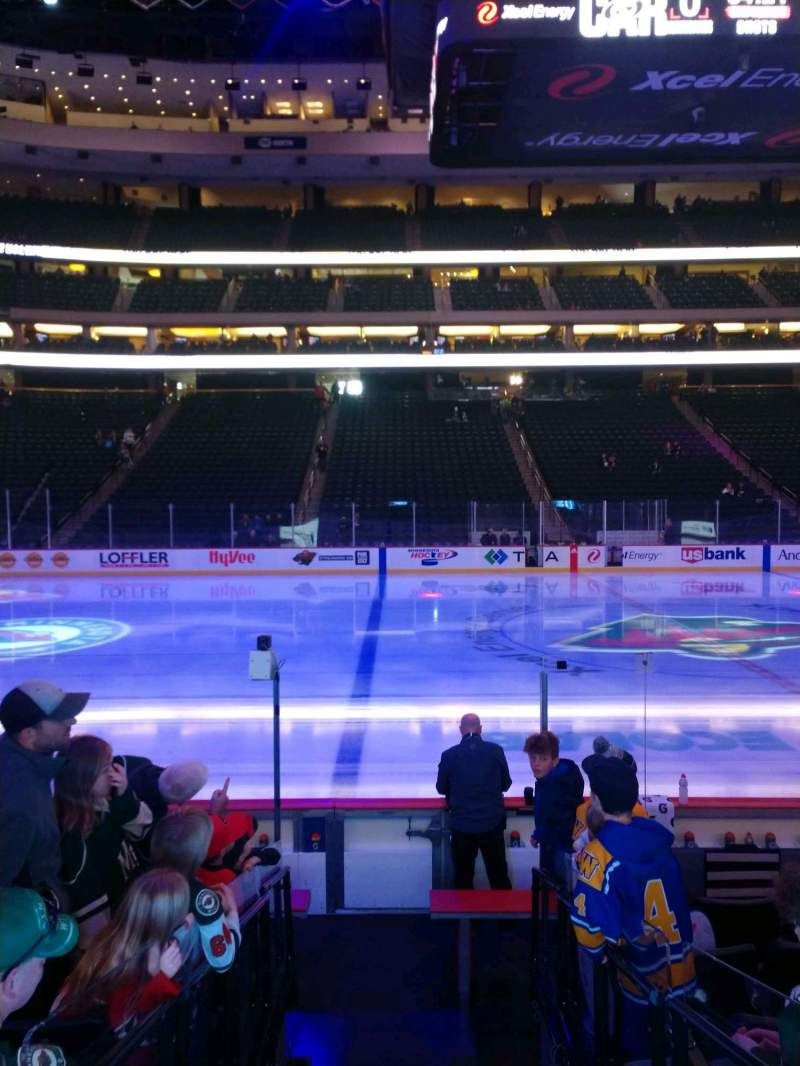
[683,790]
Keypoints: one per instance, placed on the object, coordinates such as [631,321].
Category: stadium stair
[553,526]
[75,522]
[314,482]
[730,453]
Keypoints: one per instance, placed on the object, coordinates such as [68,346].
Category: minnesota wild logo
[701,636]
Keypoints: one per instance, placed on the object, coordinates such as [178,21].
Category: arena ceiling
[254,30]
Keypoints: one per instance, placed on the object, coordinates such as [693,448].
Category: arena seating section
[505,294]
[388,294]
[212,228]
[708,290]
[277,294]
[783,285]
[718,222]
[617,226]
[762,424]
[56,290]
[405,447]
[249,449]
[173,295]
[483,227]
[54,433]
[599,293]
[73,223]
[349,228]
[569,437]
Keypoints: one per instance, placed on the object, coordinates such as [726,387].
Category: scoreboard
[610,82]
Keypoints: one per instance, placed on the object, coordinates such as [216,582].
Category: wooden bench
[466,905]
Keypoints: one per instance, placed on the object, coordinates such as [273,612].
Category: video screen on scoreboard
[612,82]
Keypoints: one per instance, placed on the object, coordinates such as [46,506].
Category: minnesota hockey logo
[700,636]
[27,638]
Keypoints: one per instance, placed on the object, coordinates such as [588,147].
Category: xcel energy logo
[579,83]
[487,13]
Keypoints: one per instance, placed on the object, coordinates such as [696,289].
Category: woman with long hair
[130,966]
[100,817]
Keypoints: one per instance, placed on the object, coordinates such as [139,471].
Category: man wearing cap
[30,932]
[37,718]
[630,893]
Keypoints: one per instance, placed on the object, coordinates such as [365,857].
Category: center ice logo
[27,638]
[701,636]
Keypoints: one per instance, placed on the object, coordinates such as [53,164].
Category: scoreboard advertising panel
[588,82]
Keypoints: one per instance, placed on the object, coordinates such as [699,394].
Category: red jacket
[156,991]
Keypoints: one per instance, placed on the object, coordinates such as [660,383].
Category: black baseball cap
[614,783]
[39,701]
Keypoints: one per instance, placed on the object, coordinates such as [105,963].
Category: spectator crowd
[113,889]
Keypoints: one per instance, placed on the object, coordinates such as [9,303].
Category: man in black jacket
[37,718]
[472,777]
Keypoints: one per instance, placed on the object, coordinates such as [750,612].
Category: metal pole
[353,521]
[8,519]
[523,522]
[110,526]
[291,507]
[541,533]
[171,509]
[543,700]
[47,518]
[413,523]
[605,522]
[780,522]
[716,508]
[276,754]
[231,508]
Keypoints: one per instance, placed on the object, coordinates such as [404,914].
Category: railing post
[8,519]
[231,511]
[171,510]
[110,526]
[780,521]
[605,522]
[47,518]
[413,523]
[291,508]
[716,520]
[353,521]
[543,700]
[540,552]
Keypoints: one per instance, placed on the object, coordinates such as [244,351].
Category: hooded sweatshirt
[557,797]
[630,892]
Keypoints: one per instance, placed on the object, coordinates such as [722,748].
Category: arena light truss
[440,258]
[488,360]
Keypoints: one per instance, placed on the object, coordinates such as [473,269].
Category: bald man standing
[472,777]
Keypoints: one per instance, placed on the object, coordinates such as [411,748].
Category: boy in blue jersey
[559,791]
[629,892]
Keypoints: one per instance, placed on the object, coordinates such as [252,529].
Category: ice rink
[696,673]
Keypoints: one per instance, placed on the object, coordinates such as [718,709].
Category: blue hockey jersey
[629,892]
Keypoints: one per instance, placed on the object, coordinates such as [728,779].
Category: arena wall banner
[455,558]
[785,557]
[693,557]
[197,560]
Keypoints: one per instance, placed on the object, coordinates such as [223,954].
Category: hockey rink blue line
[351,743]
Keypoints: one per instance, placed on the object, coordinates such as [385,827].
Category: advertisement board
[785,557]
[194,560]
[455,558]
[694,556]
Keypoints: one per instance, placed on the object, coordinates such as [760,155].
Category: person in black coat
[472,777]
[559,791]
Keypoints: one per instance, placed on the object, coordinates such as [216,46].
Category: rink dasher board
[177,562]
